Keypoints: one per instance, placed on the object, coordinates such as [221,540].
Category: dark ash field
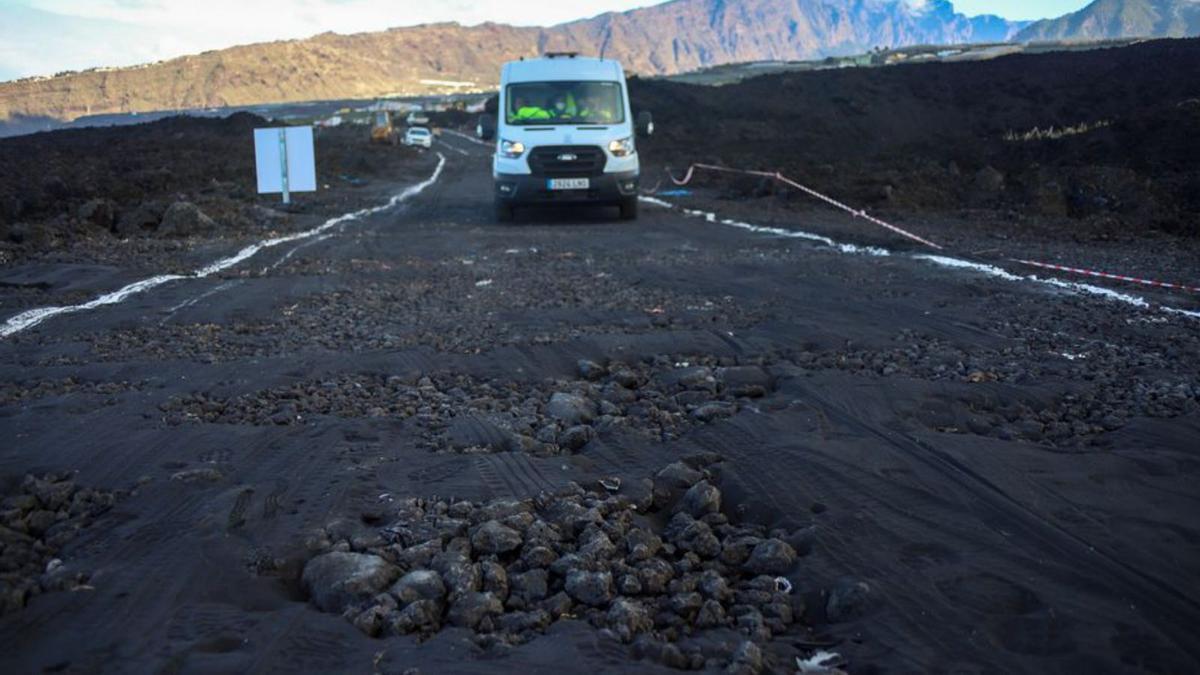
[419,441]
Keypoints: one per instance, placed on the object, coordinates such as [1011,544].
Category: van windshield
[541,103]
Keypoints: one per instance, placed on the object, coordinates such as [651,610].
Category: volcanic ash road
[1007,469]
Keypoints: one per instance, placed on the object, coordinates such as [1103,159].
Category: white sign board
[284,159]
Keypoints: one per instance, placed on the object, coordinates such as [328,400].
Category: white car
[418,136]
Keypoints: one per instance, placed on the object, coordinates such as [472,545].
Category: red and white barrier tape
[858,213]
[691,172]
[1107,275]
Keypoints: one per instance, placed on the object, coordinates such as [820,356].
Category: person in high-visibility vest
[525,111]
[596,111]
[564,107]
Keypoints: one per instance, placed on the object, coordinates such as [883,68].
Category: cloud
[47,36]
[38,42]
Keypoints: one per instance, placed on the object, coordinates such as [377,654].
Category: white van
[564,132]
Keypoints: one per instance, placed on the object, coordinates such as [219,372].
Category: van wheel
[504,212]
[629,208]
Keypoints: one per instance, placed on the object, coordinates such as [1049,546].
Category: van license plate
[568,184]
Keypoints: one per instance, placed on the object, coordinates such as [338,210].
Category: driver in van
[598,111]
[524,111]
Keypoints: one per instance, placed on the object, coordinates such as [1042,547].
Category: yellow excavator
[382,130]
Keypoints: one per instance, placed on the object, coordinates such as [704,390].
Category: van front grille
[567,161]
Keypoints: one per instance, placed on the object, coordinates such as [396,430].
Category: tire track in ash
[302,647]
[784,478]
[626,455]
[148,565]
[207,628]
[237,515]
[513,474]
[315,488]
[1170,611]
[274,499]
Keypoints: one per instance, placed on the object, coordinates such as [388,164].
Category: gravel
[461,413]
[508,569]
[414,302]
[38,518]
[465,414]
[106,392]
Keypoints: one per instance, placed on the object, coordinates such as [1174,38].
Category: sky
[42,37]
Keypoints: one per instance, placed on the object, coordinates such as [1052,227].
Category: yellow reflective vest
[530,112]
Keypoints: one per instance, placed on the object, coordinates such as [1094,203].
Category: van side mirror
[644,125]
[486,128]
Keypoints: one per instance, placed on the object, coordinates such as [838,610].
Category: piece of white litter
[783,585]
[483,282]
[611,484]
[821,663]
[512,251]
[1071,357]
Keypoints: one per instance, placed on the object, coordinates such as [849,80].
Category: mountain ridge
[1105,19]
[668,38]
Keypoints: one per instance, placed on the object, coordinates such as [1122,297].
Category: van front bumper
[529,189]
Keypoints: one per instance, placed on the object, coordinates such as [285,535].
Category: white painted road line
[773,231]
[30,318]
[940,260]
[466,137]
[192,301]
[454,148]
[287,256]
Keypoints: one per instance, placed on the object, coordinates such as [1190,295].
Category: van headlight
[511,149]
[622,147]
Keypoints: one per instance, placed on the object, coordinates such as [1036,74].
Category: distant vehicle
[564,132]
[382,130]
[418,136]
[417,119]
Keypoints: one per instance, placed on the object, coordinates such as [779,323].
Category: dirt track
[1009,468]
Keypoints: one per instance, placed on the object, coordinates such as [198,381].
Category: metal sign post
[283,167]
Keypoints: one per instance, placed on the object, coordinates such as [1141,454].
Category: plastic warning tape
[857,213]
[1107,275]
